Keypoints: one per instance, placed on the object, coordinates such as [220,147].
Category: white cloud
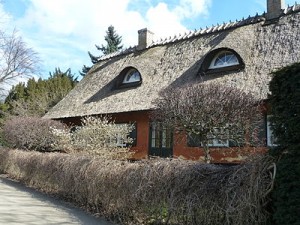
[62,31]
[164,22]
[192,8]
[86,20]
[5,19]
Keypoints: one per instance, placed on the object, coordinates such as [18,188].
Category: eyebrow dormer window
[132,76]
[129,77]
[221,60]
[224,59]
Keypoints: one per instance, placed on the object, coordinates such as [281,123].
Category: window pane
[169,139]
[271,139]
[231,59]
[164,138]
[224,59]
[193,140]
[119,137]
[153,135]
[132,76]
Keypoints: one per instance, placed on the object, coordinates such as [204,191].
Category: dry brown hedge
[150,192]
[31,133]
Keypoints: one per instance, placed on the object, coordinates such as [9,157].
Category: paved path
[22,205]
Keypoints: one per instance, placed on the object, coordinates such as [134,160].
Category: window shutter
[133,135]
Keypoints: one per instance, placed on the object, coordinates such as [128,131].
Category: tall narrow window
[271,139]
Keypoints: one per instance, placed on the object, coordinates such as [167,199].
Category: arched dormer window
[224,59]
[132,76]
[129,77]
[221,60]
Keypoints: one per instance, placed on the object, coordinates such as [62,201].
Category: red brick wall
[142,125]
[180,149]
[142,121]
[218,154]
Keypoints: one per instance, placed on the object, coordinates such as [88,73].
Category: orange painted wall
[180,148]
[141,118]
[218,154]
[142,122]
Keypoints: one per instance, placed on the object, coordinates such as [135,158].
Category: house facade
[241,54]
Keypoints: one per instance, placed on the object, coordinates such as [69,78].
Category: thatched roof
[262,45]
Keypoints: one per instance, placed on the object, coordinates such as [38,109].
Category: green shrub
[285,107]
[287,188]
[31,133]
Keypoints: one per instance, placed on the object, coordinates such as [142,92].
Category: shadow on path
[26,206]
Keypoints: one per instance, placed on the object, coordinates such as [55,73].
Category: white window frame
[213,66]
[131,75]
[218,142]
[271,140]
[118,141]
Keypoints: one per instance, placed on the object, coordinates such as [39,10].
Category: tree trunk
[207,157]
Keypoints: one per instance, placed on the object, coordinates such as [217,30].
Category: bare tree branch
[16,59]
[209,111]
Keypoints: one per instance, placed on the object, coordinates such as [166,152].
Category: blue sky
[62,31]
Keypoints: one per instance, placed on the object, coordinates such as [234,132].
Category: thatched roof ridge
[183,36]
[208,30]
[177,61]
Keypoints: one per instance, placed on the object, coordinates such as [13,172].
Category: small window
[119,140]
[129,77]
[220,61]
[218,139]
[271,139]
[222,138]
[224,59]
[132,76]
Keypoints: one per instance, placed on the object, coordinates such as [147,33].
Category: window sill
[129,85]
[236,68]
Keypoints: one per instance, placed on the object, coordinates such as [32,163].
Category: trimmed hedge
[150,192]
[31,133]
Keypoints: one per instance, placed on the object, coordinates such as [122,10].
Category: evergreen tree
[113,44]
[285,107]
[38,96]
[84,70]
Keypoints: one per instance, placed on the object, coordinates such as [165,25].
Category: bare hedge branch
[31,133]
[201,109]
[98,136]
[151,192]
